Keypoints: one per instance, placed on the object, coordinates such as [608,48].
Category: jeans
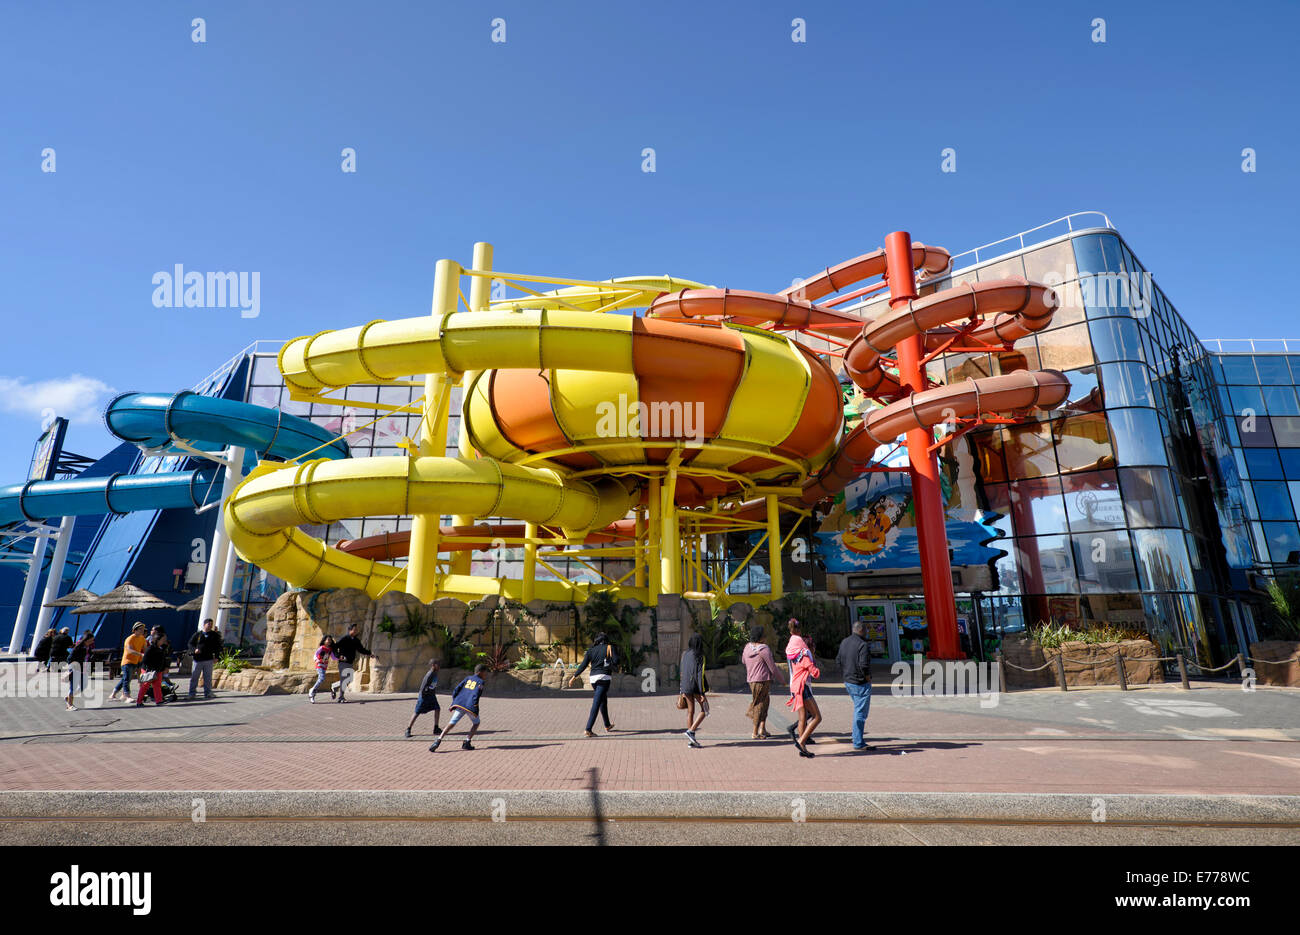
[129,671]
[202,667]
[320,680]
[345,677]
[599,702]
[860,695]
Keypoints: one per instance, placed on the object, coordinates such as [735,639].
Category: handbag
[148,676]
[681,702]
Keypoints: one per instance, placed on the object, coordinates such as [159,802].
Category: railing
[1252,345]
[233,361]
[1017,242]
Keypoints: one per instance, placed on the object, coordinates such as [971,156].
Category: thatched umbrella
[223,603]
[75,599]
[121,599]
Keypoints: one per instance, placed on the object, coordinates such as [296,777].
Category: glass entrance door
[882,628]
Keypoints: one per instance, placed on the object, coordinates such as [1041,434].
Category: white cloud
[77,398]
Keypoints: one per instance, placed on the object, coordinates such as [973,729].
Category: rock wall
[1086,664]
[1276,662]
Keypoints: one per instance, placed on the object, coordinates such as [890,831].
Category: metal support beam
[29,591]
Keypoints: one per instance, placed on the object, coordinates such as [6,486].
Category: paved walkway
[1207,741]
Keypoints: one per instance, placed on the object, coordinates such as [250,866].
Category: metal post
[29,590]
[220,552]
[530,562]
[55,578]
[1241,664]
[1119,668]
[227,579]
[927,496]
[1002,670]
[480,294]
[422,564]
[1182,672]
[1060,670]
[774,546]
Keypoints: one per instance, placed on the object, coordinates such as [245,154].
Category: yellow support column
[422,567]
[639,555]
[774,546]
[530,562]
[480,293]
[654,517]
[670,548]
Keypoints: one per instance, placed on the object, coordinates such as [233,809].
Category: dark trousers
[599,702]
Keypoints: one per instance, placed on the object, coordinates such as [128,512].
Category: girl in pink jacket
[803,669]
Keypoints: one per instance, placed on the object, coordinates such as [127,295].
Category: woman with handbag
[602,658]
[693,687]
[155,663]
[760,670]
[78,663]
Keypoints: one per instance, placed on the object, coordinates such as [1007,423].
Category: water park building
[1087,458]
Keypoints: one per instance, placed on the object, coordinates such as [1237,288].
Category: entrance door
[882,627]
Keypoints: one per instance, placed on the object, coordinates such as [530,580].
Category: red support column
[927,497]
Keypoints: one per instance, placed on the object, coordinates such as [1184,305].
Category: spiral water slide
[181,424]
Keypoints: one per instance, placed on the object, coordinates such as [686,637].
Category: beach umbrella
[75,599]
[223,603]
[121,599]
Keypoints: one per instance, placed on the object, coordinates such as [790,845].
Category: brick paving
[1208,741]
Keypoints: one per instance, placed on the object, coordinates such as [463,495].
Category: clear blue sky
[773,158]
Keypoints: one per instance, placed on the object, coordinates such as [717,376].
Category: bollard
[1002,671]
[1182,672]
[1119,668]
[1241,665]
[1060,670]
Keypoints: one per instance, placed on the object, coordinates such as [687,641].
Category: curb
[316,805]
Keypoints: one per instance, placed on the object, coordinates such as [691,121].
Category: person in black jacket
[693,686]
[427,700]
[205,645]
[602,659]
[41,652]
[157,660]
[78,666]
[59,648]
[347,649]
[854,658]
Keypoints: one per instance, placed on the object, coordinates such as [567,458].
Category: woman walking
[79,662]
[694,686]
[153,666]
[41,651]
[803,669]
[324,653]
[132,654]
[602,659]
[760,669]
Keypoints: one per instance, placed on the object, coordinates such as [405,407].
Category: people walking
[324,653]
[205,646]
[803,669]
[427,700]
[132,654]
[78,666]
[157,660]
[602,658]
[41,651]
[464,704]
[59,648]
[693,687]
[760,670]
[347,649]
[854,658]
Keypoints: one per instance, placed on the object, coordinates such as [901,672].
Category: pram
[168,690]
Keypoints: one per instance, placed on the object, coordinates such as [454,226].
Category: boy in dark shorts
[428,697]
[464,703]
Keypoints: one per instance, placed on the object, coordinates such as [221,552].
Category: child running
[464,703]
[428,699]
[324,653]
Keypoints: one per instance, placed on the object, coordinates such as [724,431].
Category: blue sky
[773,158]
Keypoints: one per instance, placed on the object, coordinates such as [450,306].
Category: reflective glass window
[1239,368]
[1047,564]
[1285,430]
[1103,562]
[1054,263]
[1116,339]
[1138,436]
[1263,463]
[1272,369]
[1097,253]
[266,371]
[1037,506]
[1294,361]
[1247,399]
[988,453]
[1162,561]
[1083,442]
[1065,348]
[1281,401]
[1030,451]
[1294,488]
[1256,431]
[1274,500]
[1148,497]
[1069,309]
[1290,458]
[998,498]
[1282,539]
[1002,269]
[1126,384]
[1092,501]
[1085,393]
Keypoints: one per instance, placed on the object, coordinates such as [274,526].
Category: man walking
[854,658]
[205,645]
[347,649]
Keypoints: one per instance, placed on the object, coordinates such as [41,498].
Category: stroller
[168,690]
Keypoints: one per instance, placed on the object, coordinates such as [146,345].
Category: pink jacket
[802,668]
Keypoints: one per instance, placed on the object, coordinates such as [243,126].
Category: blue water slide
[165,424]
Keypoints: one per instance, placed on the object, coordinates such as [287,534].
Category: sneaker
[139,704]
[587,733]
[690,739]
[210,696]
[808,753]
[341,699]
[114,696]
[408,732]
[190,698]
[311,696]
[865,746]
[72,707]
[467,745]
[434,746]
[333,689]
